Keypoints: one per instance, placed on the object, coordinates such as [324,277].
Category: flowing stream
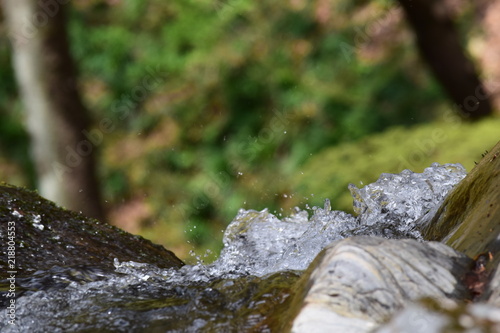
[247,287]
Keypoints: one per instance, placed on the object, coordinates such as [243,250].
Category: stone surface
[47,237]
[363,286]
[469,218]
[492,293]
[358,283]
[431,316]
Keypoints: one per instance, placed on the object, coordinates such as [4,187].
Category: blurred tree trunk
[489,52]
[439,45]
[55,116]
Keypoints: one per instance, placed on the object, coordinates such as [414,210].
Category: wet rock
[40,236]
[358,288]
[469,218]
[432,316]
[358,283]
[469,221]
[492,293]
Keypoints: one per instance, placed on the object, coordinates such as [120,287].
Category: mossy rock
[469,218]
[38,235]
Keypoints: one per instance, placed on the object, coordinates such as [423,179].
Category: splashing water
[256,246]
[259,243]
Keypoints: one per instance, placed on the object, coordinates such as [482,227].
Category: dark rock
[492,293]
[47,236]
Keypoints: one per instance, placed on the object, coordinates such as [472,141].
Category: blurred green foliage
[15,163]
[328,173]
[217,105]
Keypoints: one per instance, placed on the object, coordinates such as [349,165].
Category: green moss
[468,219]
[329,172]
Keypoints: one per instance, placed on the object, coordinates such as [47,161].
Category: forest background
[222,105]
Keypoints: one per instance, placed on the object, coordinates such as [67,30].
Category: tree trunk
[439,45]
[55,116]
[489,52]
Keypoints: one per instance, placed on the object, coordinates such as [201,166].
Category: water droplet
[327,205]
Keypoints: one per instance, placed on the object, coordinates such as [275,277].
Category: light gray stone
[360,282]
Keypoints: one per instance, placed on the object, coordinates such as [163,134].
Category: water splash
[259,243]
[256,245]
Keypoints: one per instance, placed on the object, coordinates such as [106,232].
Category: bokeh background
[252,104]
